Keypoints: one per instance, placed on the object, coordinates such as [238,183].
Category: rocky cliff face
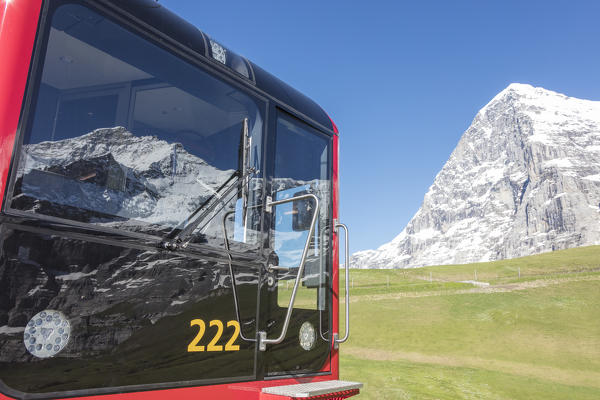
[523,179]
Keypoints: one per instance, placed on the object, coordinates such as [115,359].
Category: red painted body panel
[231,391]
[332,396]
[335,361]
[18,26]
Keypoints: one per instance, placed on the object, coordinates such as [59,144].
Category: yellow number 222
[212,345]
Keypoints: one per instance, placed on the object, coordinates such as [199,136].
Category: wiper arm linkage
[174,242]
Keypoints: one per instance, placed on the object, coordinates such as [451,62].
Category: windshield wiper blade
[176,238]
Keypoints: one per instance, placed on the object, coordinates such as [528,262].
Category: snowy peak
[523,179]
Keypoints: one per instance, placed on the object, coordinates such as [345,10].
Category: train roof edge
[186,34]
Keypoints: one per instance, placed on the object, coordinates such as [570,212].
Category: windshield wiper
[177,237]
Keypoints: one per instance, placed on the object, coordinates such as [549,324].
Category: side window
[128,136]
[302,166]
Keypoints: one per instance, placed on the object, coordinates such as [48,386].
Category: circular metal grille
[47,333]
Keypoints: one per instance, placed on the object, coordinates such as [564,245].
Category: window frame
[28,113]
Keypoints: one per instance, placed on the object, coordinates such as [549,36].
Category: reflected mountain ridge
[114,178]
[113,172]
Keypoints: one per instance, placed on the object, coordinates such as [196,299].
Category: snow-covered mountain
[523,179]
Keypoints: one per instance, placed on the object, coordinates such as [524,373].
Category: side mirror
[302,213]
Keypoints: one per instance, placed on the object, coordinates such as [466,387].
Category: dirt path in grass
[558,375]
[488,289]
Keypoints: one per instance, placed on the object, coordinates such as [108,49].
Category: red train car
[169,223]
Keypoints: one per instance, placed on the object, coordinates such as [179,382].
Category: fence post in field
[430,277]
[475,275]
[519,272]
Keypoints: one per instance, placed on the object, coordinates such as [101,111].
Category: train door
[295,303]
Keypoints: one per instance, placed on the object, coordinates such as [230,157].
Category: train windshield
[126,135]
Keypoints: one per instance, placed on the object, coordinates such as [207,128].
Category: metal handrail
[262,335]
[337,341]
[232,276]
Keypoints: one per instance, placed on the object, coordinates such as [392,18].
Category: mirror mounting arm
[262,336]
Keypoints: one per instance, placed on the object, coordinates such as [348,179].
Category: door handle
[336,339]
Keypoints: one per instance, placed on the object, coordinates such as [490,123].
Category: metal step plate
[312,389]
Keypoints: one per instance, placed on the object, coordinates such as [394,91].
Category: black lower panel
[288,357]
[129,310]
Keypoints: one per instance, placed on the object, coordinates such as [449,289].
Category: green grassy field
[422,334]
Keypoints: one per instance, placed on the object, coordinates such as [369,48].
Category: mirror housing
[302,213]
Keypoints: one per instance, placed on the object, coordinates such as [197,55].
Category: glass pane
[126,135]
[84,114]
[290,240]
[302,167]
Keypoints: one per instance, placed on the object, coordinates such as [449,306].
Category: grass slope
[421,334]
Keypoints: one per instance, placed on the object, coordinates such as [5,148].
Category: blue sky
[403,80]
